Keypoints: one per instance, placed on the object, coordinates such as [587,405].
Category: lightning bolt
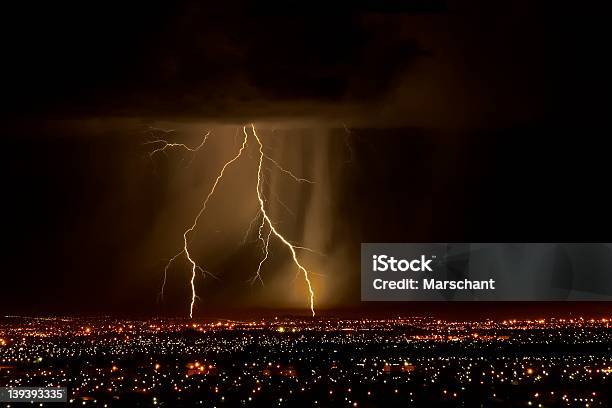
[273,230]
[266,222]
[165,145]
[194,266]
[287,172]
[248,231]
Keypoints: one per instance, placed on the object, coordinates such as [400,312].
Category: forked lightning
[266,228]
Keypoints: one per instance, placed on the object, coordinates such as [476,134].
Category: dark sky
[468,122]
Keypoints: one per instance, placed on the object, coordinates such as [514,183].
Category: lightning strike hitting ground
[265,216]
[266,244]
[266,222]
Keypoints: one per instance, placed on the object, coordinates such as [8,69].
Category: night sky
[423,121]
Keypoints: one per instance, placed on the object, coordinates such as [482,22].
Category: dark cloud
[195,58]
[416,63]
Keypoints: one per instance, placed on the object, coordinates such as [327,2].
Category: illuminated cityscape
[299,361]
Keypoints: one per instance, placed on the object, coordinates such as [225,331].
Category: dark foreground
[303,362]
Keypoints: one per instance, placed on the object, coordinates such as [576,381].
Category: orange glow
[266,221]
